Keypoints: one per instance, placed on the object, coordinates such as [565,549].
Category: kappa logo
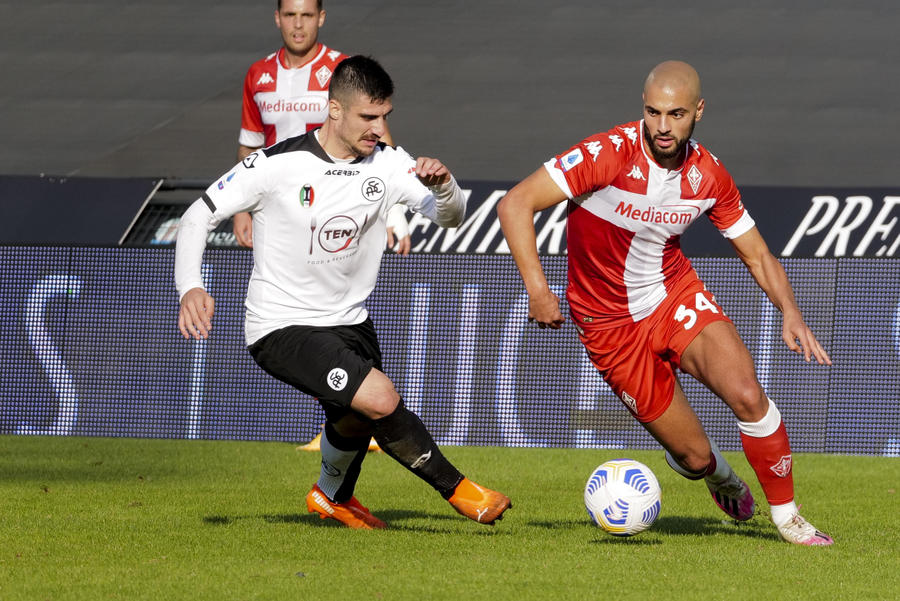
[636,173]
[694,176]
[629,401]
[323,75]
[783,468]
[631,132]
[337,379]
[594,148]
[373,189]
[617,140]
[571,159]
[264,79]
[334,54]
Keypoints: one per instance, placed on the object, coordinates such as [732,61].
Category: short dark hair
[362,75]
[318,5]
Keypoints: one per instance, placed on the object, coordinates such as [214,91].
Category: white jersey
[318,229]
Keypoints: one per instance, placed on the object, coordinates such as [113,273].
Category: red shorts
[639,360]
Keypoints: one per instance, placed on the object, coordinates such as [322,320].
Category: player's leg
[402,435]
[634,361]
[318,362]
[718,358]
[691,453]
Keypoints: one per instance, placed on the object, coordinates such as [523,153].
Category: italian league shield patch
[307,195]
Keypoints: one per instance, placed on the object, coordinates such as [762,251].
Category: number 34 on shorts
[703,301]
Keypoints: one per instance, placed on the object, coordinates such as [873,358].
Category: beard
[661,155]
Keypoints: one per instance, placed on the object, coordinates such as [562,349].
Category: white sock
[334,467]
[781,514]
[723,468]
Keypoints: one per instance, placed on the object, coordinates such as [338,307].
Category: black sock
[403,436]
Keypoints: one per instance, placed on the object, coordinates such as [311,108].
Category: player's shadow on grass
[674,525]
[754,528]
[396,519]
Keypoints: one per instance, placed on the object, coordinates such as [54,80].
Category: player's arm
[197,306]
[445,202]
[243,222]
[768,272]
[516,212]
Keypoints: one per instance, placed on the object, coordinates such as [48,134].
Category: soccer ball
[622,497]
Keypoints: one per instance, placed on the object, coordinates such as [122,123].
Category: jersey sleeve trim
[557,176]
[740,227]
[209,202]
[252,139]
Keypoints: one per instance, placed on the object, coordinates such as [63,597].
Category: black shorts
[328,363]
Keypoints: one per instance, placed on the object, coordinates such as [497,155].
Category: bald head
[672,106]
[674,78]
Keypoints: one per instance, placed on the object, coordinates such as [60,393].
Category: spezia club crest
[307,195]
[373,189]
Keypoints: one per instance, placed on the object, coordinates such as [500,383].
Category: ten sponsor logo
[338,233]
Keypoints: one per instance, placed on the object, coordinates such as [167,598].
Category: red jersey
[280,102]
[625,218]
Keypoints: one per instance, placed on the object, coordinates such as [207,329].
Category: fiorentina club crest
[783,468]
[307,195]
[694,176]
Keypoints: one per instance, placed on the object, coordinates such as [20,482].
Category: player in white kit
[286,94]
[639,307]
[319,203]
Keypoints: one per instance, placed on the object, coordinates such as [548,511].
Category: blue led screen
[90,347]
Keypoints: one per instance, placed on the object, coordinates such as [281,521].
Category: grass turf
[94,518]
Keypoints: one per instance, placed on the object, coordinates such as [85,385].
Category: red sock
[770,458]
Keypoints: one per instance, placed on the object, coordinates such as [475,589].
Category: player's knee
[693,459]
[749,402]
[377,404]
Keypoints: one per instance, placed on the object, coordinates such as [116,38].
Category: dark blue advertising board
[90,347]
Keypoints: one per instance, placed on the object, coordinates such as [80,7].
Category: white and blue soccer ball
[622,496]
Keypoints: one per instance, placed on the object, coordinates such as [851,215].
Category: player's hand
[800,339]
[431,172]
[401,246]
[544,309]
[243,229]
[195,315]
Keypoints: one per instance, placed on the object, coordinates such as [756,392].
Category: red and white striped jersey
[625,218]
[280,103]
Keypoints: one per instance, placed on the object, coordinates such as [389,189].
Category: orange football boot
[483,505]
[351,513]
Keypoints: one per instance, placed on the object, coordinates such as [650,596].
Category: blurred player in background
[319,203]
[286,94]
[639,307]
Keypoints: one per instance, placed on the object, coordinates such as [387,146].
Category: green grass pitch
[96,519]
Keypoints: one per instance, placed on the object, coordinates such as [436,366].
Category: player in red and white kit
[639,307]
[286,94]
